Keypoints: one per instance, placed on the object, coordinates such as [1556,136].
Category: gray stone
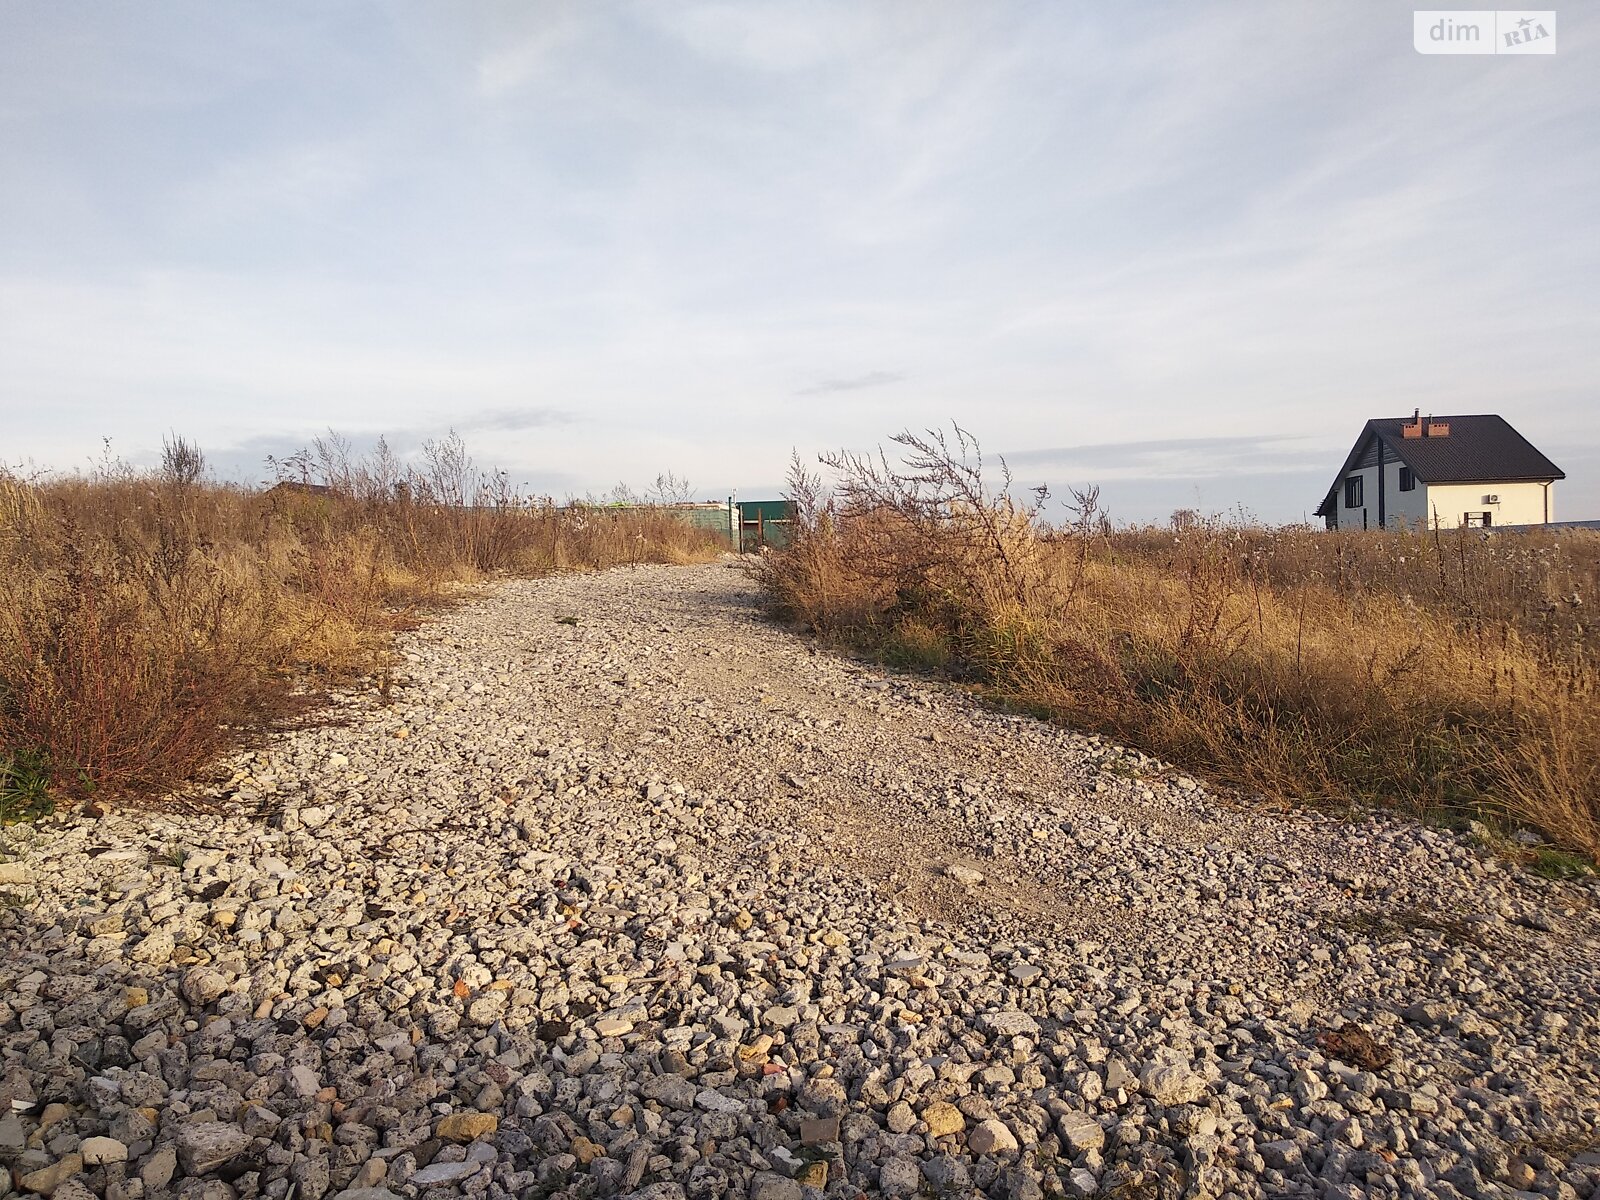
[1009,1024]
[1430,1013]
[157,1170]
[1171,1084]
[1117,1075]
[73,1189]
[1081,1132]
[155,948]
[1081,1182]
[312,1176]
[258,1120]
[711,1101]
[97,1151]
[203,1148]
[1024,973]
[947,1174]
[991,1137]
[445,1172]
[1281,1155]
[146,1016]
[1022,1184]
[672,1090]
[816,1131]
[766,1185]
[780,1016]
[304,1081]
[12,1138]
[900,1176]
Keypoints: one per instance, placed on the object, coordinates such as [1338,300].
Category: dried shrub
[150,621]
[1422,669]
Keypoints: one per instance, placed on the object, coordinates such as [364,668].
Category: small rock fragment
[815,1131]
[467,1127]
[206,1146]
[991,1137]
[47,1179]
[97,1151]
[943,1119]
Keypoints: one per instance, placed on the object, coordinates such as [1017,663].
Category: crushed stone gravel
[615,889]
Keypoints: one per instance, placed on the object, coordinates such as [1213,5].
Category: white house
[1441,471]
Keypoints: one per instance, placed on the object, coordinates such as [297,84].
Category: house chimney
[1436,429]
[1414,429]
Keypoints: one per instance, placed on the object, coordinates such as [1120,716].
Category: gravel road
[614,889]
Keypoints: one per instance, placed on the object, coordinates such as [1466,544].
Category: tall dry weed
[1425,670]
[151,620]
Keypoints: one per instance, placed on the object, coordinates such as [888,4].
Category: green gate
[765,523]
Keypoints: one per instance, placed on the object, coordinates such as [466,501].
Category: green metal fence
[714,518]
[747,526]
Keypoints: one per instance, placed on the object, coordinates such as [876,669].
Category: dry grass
[1425,670]
[150,621]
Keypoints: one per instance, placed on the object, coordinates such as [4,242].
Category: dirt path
[895,778]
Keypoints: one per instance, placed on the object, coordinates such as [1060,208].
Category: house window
[1477,520]
[1352,492]
[1408,481]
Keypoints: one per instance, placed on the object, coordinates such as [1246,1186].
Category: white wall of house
[1404,509]
[1518,504]
[1365,514]
[1399,508]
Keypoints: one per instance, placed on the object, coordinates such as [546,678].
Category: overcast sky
[1182,250]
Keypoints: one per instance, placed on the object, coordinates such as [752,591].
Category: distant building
[1441,471]
[293,487]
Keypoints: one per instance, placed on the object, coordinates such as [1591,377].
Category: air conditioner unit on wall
[1491,499]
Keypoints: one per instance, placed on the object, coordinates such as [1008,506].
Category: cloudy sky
[1181,250]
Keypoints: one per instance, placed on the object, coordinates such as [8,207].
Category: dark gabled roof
[1479,449]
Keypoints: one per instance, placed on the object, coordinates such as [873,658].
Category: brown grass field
[1445,672]
[150,621]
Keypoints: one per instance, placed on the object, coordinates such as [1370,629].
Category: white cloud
[774,35]
[300,180]
[507,68]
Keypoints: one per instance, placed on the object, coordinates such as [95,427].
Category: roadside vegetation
[151,620]
[1441,671]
